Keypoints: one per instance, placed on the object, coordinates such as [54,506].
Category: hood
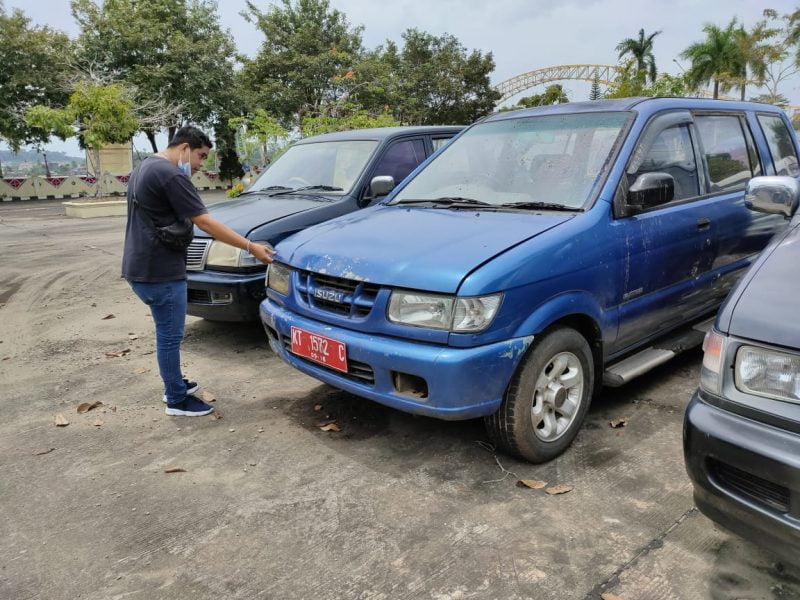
[245,214]
[766,309]
[419,248]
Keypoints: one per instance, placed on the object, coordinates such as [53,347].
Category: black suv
[742,427]
[316,179]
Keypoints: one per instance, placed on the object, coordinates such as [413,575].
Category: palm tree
[718,58]
[641,50]
[754,50]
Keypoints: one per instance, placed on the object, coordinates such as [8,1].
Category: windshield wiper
[537,205]
[320,187]
[446,201]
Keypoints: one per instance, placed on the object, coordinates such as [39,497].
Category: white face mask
[186,167]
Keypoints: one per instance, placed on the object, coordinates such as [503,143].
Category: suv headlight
[713,355]
[439,311]
[768,373]
[278,278]
[221,254]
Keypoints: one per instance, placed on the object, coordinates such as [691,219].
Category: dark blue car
[541,254]
[742,427]
[316,179]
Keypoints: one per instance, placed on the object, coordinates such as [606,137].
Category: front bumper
[746,475]
[244,291]
[462,383]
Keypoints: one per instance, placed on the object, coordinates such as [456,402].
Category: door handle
[703,223]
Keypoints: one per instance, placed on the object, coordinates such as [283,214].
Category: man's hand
[262,253]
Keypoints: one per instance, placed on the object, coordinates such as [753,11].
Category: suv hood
[419,248]
[245,214]
[766,308]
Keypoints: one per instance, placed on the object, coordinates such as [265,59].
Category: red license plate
[320,349]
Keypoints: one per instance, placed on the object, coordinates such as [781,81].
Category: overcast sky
[522,35]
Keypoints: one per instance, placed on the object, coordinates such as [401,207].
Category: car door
[667,249]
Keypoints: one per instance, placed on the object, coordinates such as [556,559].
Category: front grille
[199,296]
[349,298]
[356,371]
[196,254]
[766,492]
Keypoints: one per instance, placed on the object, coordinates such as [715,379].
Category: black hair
[189,134]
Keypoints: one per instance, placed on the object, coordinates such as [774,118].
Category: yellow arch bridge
[603,74]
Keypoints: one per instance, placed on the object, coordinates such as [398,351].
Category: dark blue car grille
[346,297]
[746,484]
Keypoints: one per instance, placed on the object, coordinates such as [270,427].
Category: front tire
[547,400]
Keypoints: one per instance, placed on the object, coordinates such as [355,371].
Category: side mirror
[651,189]
[773,194]
[381,185]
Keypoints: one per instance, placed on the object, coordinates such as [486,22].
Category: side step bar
[630,367]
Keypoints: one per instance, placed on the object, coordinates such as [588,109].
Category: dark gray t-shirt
[167,195]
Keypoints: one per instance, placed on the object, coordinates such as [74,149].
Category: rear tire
[547,399]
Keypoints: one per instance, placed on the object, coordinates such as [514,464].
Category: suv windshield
[529,162]
[317,165]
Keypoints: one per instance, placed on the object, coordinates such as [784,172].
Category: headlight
[221,254]
[713,355]
[437,311]
[278,277]
[768,373]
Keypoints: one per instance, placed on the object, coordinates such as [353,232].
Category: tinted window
[400,159]
[780,145]
[727,158]
[672,153]
[439,142]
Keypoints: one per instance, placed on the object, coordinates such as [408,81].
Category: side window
[780,145]
[438,142]
[726,153]
[672,153]
[400,159]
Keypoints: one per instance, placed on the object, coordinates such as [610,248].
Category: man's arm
[223,233]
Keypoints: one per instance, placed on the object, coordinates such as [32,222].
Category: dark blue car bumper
[219,296]
[746,475]
[461,383]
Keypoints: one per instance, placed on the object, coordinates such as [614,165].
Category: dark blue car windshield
[550,159]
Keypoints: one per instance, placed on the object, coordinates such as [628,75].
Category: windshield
[546,160]
[331,164]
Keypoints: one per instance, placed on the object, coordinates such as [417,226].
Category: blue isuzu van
[541,254]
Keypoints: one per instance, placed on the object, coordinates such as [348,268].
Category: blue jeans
[167,302]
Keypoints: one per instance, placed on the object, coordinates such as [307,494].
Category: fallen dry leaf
[623,422]
[560,489]
[216,415]
[318,407]
[107,317]
[6,358]
[140,371]
[610,596]
[98,422]
[40,452]
[208,396]
[174,470]
[534,484]
[118,353]
[85,407]
[133,337]
[61,421]
[330,427]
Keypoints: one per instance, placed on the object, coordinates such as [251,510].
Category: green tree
[307,46]
[778,36]
[718,58]
[440,83]
[230,167]
[641,50]
[34,65]
[352,117]
[259,134]
[173,55]
[629,83]
[553,94]
[96,114]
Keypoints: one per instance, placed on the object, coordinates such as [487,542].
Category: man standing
[161,189]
